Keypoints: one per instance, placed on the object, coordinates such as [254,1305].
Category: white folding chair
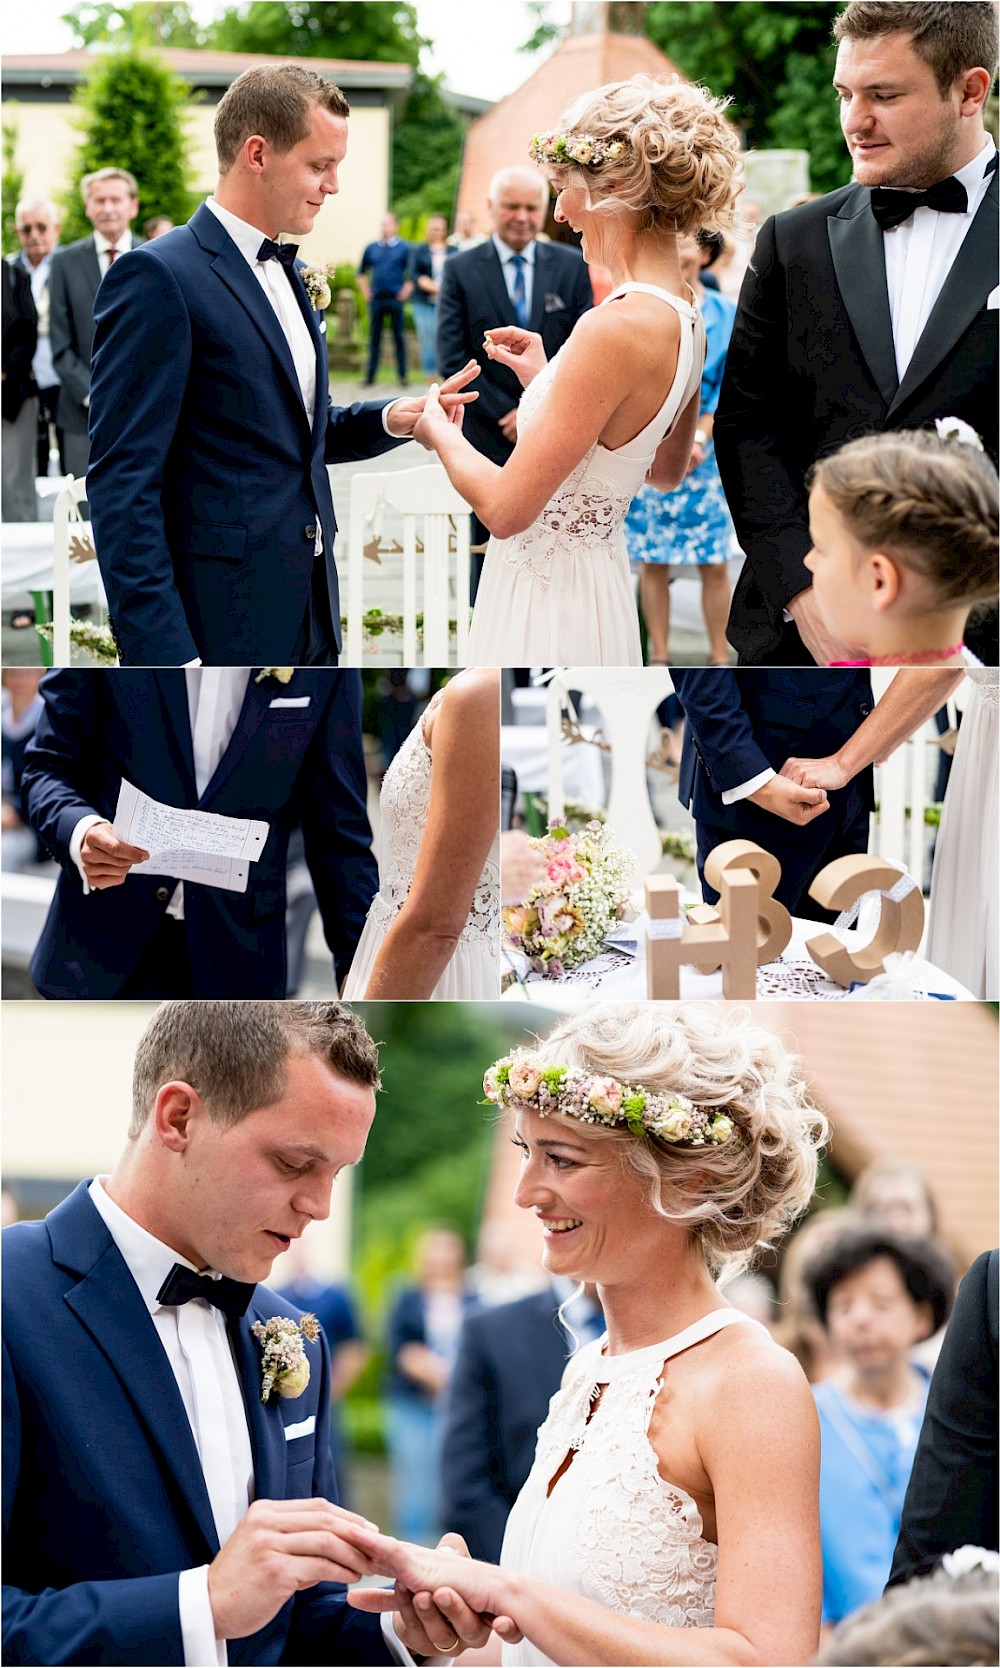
[435,526]
[627,700]
[73,540]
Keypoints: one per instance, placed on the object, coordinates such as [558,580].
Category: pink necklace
[929,657]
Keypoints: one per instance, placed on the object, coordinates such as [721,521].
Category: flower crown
[519,1082]
[581,148]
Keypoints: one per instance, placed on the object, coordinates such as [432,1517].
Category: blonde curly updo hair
[679,166]
[736,1198]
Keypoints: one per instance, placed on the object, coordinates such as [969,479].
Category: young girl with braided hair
[904,530]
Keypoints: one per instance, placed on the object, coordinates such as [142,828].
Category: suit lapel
[322,362]
[172,687]
[963,295]
[90,266]
[267,1430]
[495,287]
[859,263]
[107,1303]
[539,284]
[255,704]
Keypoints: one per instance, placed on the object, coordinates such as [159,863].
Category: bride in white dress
[671,1515]
[433,929]
[635,163]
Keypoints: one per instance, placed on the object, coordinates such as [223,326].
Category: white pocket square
[993,300]
[291,701]
[305,1427]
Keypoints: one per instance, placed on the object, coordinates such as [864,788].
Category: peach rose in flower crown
[605,1095]
[524,1079]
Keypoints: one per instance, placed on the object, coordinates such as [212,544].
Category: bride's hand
[435,418]
[520,350]
[469,1593]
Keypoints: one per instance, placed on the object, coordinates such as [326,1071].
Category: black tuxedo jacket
[509,1365]
[473,298]
[20,333]
[951,1499]
[74,280]
[811,365]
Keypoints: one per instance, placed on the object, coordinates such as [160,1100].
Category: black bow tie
[891,207]
[181,1284]
[283,252]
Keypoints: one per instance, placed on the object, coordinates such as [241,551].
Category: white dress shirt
[102,244]
[506,254]
[920,253]
[198,1350]
[215,700]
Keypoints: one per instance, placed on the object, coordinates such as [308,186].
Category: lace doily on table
[785,977]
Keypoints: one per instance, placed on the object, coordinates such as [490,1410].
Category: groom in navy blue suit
[223,740]
[740,728]
[211,420]
[156,1510]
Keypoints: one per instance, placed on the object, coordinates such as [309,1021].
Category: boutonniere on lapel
[280,674]
[284,1365]
[317,282]
[555,304]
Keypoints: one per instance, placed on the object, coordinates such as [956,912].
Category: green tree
[148,23]
[13,177]
[386,33]
[426,152]
[131,112]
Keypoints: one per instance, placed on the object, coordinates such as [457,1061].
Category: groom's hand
[276,1550]
[404,415]
[790,801]
[826,773]
[106,860]
[811,627]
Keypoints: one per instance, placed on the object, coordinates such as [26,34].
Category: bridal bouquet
[564,919]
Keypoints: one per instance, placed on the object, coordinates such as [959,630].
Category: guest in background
[333,1306]
[385,286]
[877,1294]
[111,203]
[423,1340]
[895,1194]
[156,225]
[426,267]
[21,710]
[509,1366]
[799,1329]
[691,526]
[18,401]
[37,225]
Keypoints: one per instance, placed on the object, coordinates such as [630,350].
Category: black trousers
[163,971]
[48,400]
[380,308]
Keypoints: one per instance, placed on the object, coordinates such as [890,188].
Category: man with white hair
[36,221]
[511,279]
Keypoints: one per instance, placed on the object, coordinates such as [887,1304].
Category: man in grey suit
[111,203]
[511,278]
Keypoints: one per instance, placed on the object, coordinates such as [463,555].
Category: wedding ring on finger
[446,1650]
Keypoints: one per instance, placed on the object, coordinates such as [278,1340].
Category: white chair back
[67,525]
[627,700]
[435,528]
[901,788]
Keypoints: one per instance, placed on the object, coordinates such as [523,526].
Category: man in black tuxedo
[512,278]
[111,203]
[857,316]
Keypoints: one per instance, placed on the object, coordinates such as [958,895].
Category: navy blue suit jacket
[509,1365]
[104,1500]
[739,724]
[207,476]
[283,764]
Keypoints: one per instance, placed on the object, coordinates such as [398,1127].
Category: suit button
[163,893]
[864,711]
[310,531]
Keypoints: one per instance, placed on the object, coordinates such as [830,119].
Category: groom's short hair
[236,1053]
[274,101]
[949,38]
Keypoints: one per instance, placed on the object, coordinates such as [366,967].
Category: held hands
[826,773]
[276,1550]
[520,350]
[107,860]
[441,405]
[789,801]
[432,1583]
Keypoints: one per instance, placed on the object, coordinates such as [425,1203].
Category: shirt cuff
[732,796]
[398,1651]
[201,1648]
[76,842]
[189,663]
[385,418]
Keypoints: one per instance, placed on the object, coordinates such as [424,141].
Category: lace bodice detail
[987,685]
[406,792]
[612,1529]
[585,515]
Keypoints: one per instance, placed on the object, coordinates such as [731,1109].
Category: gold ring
[445,1650]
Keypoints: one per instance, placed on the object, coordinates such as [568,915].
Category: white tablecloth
[614,976]
[26,566]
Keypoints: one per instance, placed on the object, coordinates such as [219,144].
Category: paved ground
[383,588]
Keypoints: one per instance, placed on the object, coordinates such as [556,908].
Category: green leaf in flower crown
[553,1076]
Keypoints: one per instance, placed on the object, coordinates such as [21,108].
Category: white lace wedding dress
[963,935]
[473,973]
[561,593]
[611,1529]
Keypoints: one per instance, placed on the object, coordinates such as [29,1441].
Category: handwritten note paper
[189,845]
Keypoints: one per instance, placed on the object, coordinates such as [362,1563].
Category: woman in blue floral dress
[690,526]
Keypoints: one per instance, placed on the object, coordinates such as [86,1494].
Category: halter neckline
[633,286]
[613,1366]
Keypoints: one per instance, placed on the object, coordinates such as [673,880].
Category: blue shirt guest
[877,1294]
[690,526]
[426,268]
[385,285]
